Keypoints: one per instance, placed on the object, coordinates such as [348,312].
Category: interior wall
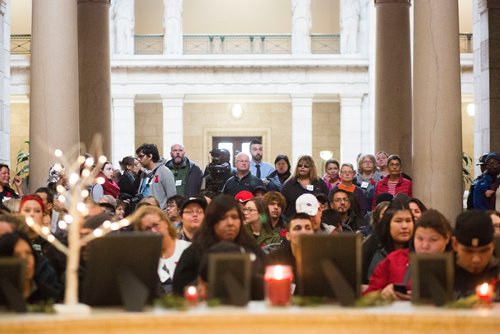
[465,16]
[270,120]
[326,130]
[236,16]
[149,125]
[19,130]
[468,133]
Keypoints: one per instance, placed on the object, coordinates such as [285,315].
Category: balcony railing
[466,43]
[229,44]
[148,44]
[20,44]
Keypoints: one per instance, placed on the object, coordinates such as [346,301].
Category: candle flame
[279,272]
[484,289]
[191,290]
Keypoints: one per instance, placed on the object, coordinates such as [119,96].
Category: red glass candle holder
[278,282]
[191,294]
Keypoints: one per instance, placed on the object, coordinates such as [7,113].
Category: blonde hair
[152,210]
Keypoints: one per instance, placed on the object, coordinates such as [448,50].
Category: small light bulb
[62,224]
[51,238]
[102,159]
[58,153]
[45,230]
[100,180]
[98,233]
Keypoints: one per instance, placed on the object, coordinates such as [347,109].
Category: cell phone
[401,288]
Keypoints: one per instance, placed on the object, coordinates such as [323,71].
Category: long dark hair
[386,240]
[215,212]
[263,210]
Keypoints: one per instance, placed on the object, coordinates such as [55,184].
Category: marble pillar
[393,103]
[173,121]
[4,82]
[123,127]
[437,131]
[53,86]
[486,76]
[351,143]
[172,27]
[301,126]
[301,27]
[94,73]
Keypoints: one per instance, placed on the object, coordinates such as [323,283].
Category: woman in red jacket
[432,236]
[394,183]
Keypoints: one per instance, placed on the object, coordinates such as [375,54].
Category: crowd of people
[261,209]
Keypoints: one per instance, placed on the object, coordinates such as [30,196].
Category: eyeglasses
[397,164]
[192,212]
[347,172]
[338,200]
[245,210]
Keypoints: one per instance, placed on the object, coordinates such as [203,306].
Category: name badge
[365,184]
[178,183]
[310,187]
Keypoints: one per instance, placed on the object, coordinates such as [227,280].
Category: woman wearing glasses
[304,180]
[258,223]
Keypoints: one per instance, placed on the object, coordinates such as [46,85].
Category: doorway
[234,144]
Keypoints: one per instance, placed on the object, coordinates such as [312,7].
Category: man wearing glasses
[347,184]
[349,220]
[243,179]
[158,181]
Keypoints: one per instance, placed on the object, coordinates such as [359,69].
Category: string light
[98,233]
[81,159]
[73,178]
[62,224]
[102,159]
[60,189]
[68,219]
[58,153]
[89,162]
[100,180]
[61,199]
[85,173]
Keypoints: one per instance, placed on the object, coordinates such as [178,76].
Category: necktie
[258,170]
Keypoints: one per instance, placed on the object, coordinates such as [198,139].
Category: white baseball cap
[307,203]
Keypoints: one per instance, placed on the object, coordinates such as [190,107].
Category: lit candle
[278,281]
[191,294]
[485,292]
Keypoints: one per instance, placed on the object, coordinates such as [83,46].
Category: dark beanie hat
[384,197]
[474,228]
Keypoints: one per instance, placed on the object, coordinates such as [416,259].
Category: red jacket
[391,270]
[403,186]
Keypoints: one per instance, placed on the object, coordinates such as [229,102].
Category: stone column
[122,29]
[94,72]
[393,79]
[437,132]
[172,27]
[301,126]
[487,76]
[53,86]
[4,82]
[301,26]
[123,128]
[173,121]
[351,129]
